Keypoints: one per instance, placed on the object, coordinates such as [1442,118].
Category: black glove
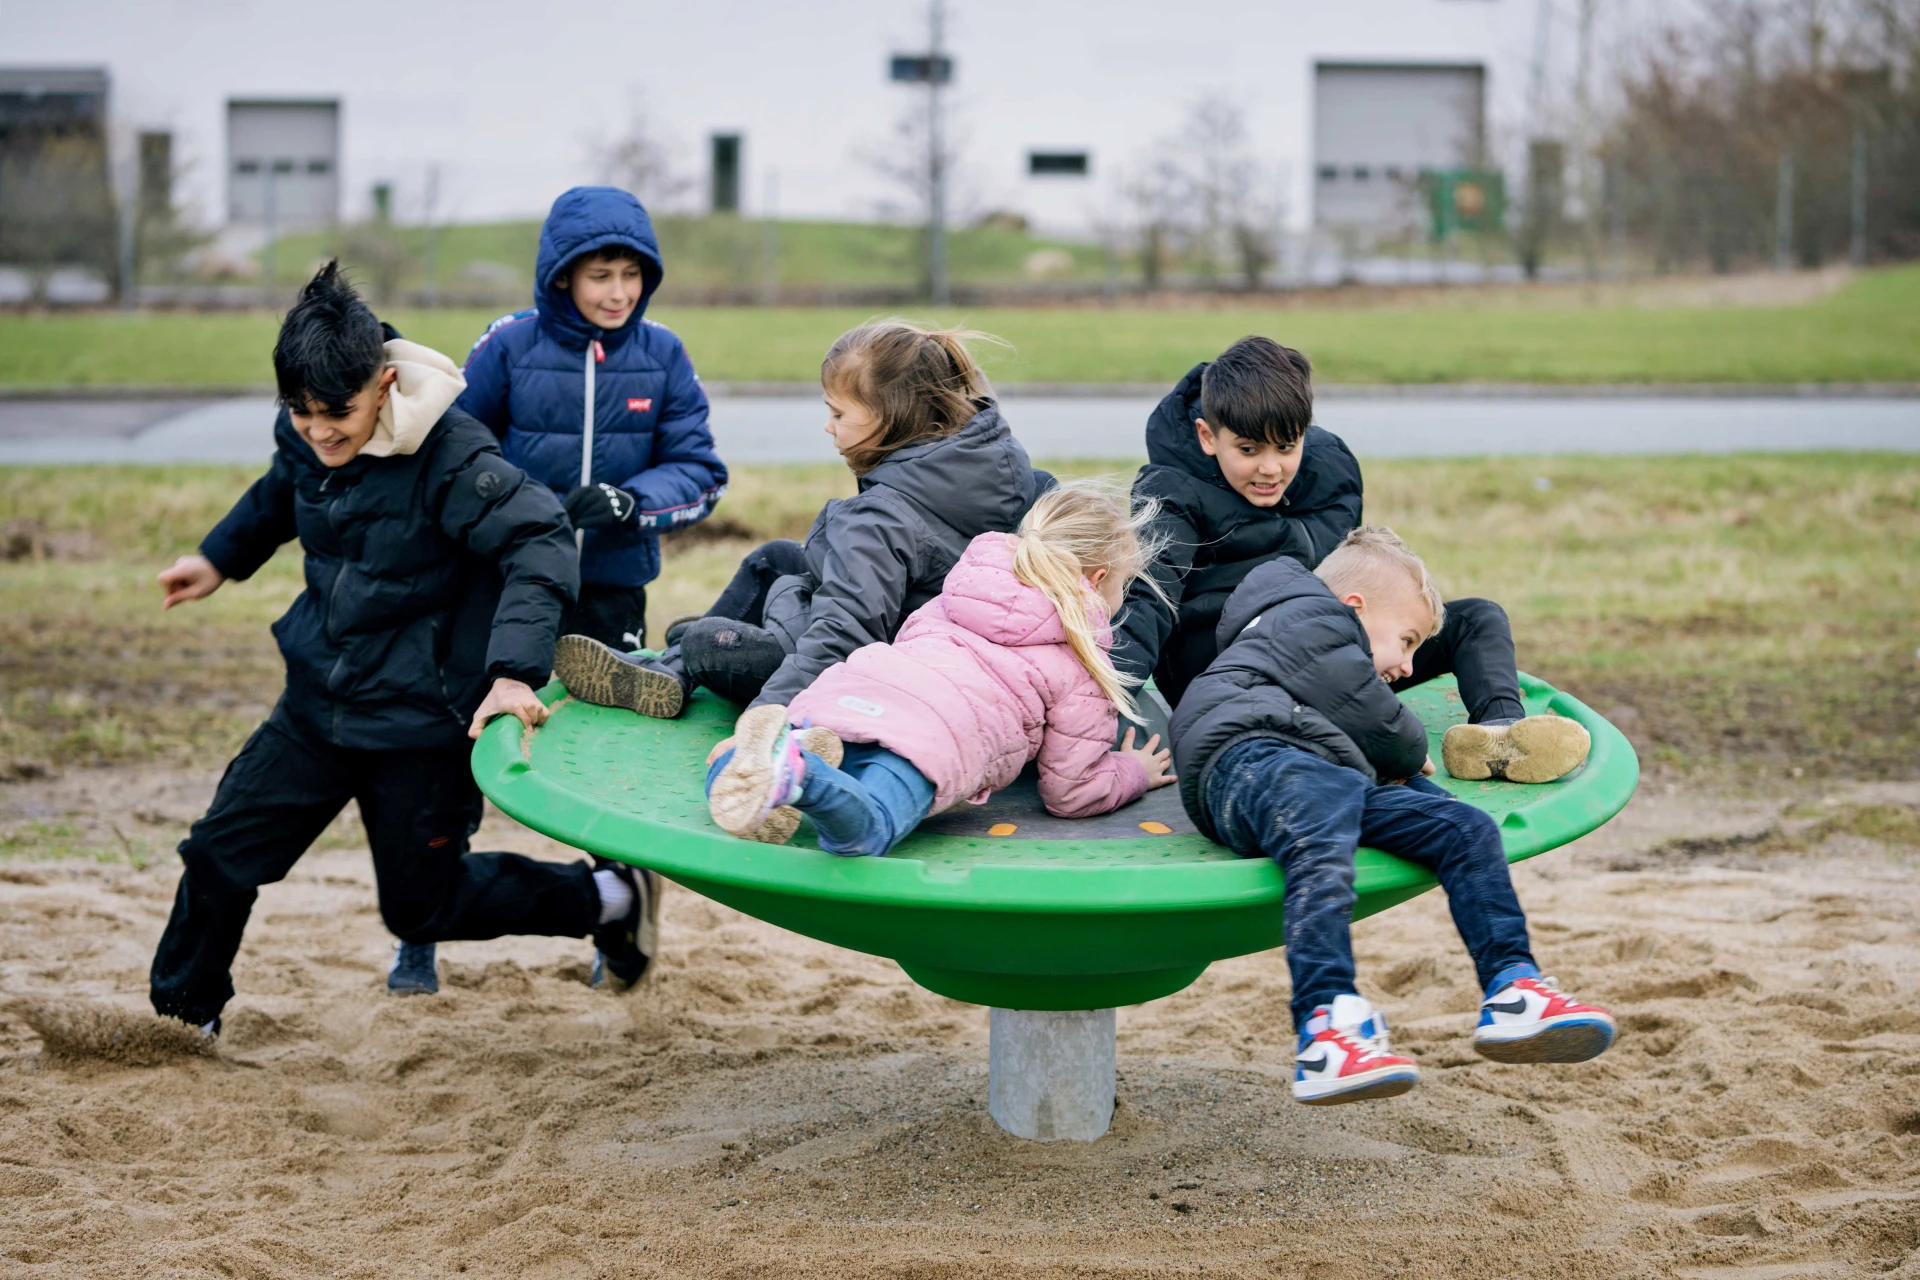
[600,506]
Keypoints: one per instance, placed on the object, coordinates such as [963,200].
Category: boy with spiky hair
[1242,478]
[601,405]
[436,576]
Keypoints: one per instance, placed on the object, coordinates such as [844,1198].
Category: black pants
[745,599]
[737,661]
[615,616]
[1476,645]
[419,807]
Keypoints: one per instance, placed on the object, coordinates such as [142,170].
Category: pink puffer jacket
[977,683]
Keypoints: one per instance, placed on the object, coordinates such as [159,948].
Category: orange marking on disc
[1002,829]
[1156,828]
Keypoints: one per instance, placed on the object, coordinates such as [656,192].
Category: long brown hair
[922,384]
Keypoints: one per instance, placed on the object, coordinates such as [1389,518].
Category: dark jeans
[615,616]
[745,598]
[1268,799]
[1476,645]
[419,808]
[864,808]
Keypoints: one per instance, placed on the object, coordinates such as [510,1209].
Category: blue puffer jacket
[526,379]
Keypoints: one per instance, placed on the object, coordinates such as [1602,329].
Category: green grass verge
[1740,618]
[1866,332]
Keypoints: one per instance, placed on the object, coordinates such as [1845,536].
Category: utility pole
[1783,214]
[1583,142]
[1857,251]
[938,292]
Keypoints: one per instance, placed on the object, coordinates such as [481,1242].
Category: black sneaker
[624,948]
[734,659]
[412,972]
[595,673]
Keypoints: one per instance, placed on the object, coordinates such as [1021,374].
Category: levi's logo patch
[639,404]
[861,705]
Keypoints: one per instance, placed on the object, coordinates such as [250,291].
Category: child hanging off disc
[1008,664]
[436,576]
[1292,746]
[914,418]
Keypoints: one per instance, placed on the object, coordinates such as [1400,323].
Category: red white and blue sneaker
[1528,1019]
[1343,1056]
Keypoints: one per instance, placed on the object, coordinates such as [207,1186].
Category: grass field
[1868,331]
[1745,619]
[709,252]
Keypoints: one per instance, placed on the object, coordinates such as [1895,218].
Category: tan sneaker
[1536,749]
[784,821]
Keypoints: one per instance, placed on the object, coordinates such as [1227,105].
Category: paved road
[788,428]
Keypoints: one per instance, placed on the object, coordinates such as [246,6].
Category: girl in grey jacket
[913,415]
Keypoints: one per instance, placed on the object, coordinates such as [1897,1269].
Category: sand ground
[772,1106]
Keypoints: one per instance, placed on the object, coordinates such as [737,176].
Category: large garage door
[1377,125]
[283,163]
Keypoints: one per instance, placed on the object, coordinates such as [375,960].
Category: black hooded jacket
[1294,665]
[1215,537]
[429,575]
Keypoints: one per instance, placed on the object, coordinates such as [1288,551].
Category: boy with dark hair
[436,576]
[584,373]
[1242,478]
[1291,746]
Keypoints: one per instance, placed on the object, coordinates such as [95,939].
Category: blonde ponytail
[1071,532]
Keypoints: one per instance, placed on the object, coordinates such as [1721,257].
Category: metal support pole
[1050,1076]
[937,289]
[1783,215]
[1857,250]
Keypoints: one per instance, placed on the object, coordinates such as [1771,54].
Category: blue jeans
[1268,799]
[868,805]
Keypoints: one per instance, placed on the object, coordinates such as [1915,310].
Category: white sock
[616,896]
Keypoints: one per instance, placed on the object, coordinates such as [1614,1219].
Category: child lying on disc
[1008,664]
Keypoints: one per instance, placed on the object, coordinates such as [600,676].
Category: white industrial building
[485,109]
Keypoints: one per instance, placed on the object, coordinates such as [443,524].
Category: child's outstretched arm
[685,479]
[1081,775]
[246,538]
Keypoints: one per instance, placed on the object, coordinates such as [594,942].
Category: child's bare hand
[1426,770]
[190,578]
[510,698]
[720,748]
[1157,761]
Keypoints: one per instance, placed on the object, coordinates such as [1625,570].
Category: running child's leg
[1524,1017]
[275,799]
[419,807]
[1269,799]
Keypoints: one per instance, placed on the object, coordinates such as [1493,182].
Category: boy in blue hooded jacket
[654,467]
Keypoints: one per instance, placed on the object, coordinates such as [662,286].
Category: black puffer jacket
[429,575]
[1216,537]
[1294,665]
[874,558]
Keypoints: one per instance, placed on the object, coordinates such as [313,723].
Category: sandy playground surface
[772,1106]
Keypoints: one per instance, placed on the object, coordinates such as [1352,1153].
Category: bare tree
[1204,189]
[637,158]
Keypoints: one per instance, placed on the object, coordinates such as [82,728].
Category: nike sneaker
[1344,1056]
[1530,1020]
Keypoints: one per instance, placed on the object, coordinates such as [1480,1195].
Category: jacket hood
[582,220]
[1171,441]
[427,385]
[976,479]
[983,595]
[1268,587]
